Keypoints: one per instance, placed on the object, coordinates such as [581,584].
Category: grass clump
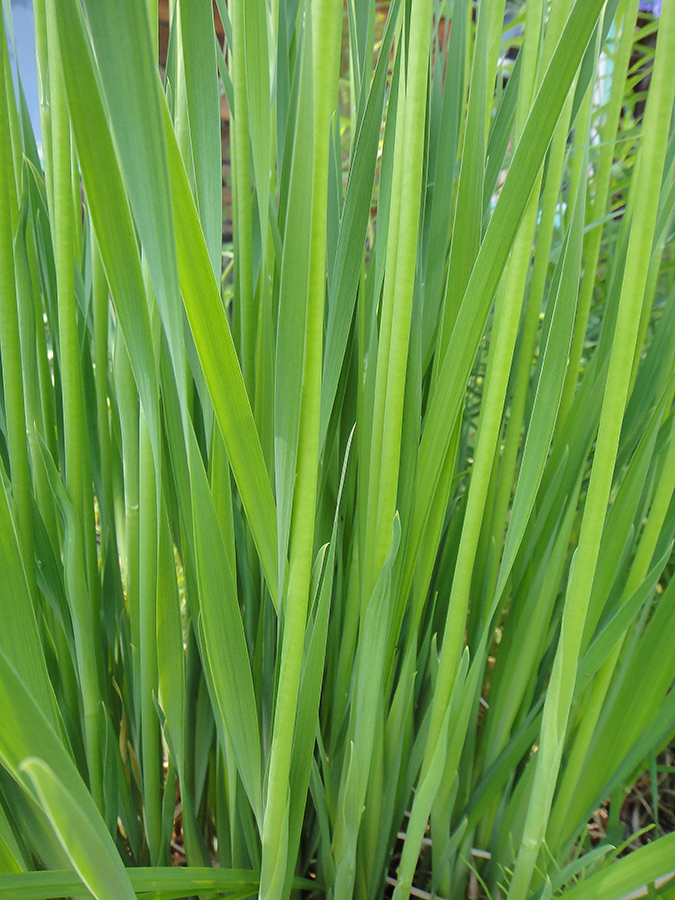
[413,458]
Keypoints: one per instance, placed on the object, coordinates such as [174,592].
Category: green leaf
[218,358]
[491,259]
[258,89]
[625,875]
[292,316]
[19,638]
[201,85]
[26,733]
[121,39]
[548,389]
[344,278]
[222,633]
[86,841]
[156,882]
[108,204]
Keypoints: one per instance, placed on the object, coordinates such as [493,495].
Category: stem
[100,314]
[42,63]
[370,568]
[241,187]
[77,461]
[9,337]
[325,36]
[151,750]
[127,404]
[411,133]
[84,596]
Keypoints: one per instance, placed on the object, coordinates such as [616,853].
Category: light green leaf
[222,632]
[201,86]
[86,841]
[487,271]
[218,358]
[625,875]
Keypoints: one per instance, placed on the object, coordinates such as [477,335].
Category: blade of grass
[108,205]
[324,35]
[161,882]
[218,358]
[123,46]
[368,686]
[394,345]
[201,82]
[93,857]
[444,404]
[556,709]
[78,475]
[86,631]
[222,626]
[151,753]
[353,225]
[9,333]
[645,866]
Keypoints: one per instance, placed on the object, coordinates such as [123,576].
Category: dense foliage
[347,566]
